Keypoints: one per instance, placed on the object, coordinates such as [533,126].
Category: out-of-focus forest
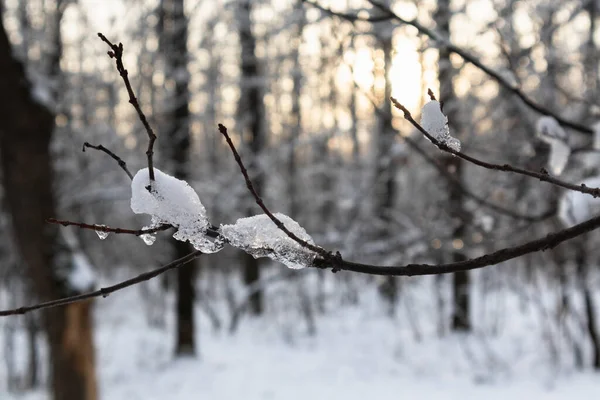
[304,89]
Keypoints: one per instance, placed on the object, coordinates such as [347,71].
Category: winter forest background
[304,89]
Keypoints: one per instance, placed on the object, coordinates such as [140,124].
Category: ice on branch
[550,131]
[576,207]
[172,201]
[260,237]
[101,234]
[435,123]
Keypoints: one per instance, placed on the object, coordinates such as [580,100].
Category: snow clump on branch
[550,131]
[260,237]
[172,201]
[576,207]
[435,123]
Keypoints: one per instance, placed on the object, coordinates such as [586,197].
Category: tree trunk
[385,171]
[590,307]
[173,40]
[461,320]
[25,130]
[251,119]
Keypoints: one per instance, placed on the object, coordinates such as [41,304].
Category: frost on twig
[260,237]
[174,202]
[435,123]
[550,131]
[576,207]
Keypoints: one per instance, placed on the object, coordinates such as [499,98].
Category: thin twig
[118,159]
[212,231]
[116,52]
[104,292]
[322,252]
[542,176]
[108,229]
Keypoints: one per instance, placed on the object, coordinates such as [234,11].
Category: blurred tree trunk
[26,128]
[591,58]
[211,87]
[296,116]
[251,120]
[173,43]
[582,261]
[385,169]
[461,320]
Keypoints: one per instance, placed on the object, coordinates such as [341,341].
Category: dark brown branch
[509,253]
[322,252]
[118,159]
[108,229]
[104,292]
[212,231]
[542,176]
[336,263]
[116,52]
[350,17]
[467,57]
[453,180]
[479,200]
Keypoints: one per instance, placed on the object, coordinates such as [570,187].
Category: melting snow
[435,123]
[172,201]
[260,237]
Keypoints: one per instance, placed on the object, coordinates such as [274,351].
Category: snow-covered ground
[357,353]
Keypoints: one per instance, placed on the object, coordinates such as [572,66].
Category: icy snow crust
[260,237]
[550,131]
[172,201]
[435,123]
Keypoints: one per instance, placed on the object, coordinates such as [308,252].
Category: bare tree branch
[118,159]
[542,176]
[322,252]
[548,242]
[502,81]
[116,52]
[108,229]
[450,177]
[351,17]
[104,292]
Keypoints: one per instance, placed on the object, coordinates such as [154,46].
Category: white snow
[550,131]
[172,201]
[357,352]
[576,207]
[260,237]
[435,123]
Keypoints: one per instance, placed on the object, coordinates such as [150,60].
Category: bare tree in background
[385,167]
[25,131]
[251,119]
[176,146]
[460,280]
